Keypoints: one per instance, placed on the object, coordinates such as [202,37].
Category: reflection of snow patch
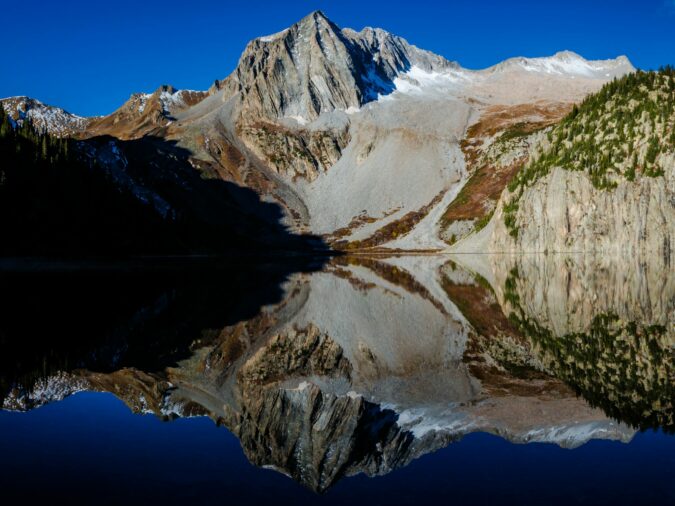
[420,422]
[53,388]
[573,436]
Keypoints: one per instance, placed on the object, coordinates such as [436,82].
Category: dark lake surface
[352,380]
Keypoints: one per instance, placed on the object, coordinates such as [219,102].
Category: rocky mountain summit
[314,67]
[360,137]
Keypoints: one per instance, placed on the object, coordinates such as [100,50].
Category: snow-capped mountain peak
[567,63]
[54,120]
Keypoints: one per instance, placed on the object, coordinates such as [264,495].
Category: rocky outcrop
[564,212]
[145,113]
[295,153]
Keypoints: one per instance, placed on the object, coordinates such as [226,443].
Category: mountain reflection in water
[357,365]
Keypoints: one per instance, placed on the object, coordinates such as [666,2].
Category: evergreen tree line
[54,203]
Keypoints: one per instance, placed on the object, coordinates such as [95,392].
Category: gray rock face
[314,67]
[563,212]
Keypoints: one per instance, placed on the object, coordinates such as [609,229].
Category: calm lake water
[401,380]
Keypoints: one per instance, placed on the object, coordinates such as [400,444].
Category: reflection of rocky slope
[604,326]
[566,292]
[361,368]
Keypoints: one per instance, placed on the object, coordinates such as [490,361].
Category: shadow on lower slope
[205,212]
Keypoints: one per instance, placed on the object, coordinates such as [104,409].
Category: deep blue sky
[88,57]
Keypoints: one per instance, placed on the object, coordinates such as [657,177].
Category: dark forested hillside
[52,203]
[57,198]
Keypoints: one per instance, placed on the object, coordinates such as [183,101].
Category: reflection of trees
[625,368]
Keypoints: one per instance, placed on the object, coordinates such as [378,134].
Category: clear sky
[88,57]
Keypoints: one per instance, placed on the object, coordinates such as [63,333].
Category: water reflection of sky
[90,448]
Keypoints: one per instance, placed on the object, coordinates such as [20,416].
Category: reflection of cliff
[564,293]
[361,368]
[607,330]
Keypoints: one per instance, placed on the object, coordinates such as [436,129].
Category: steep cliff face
[314,67]
[564,212]
[603,180]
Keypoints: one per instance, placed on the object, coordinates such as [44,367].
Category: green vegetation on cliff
[620,132]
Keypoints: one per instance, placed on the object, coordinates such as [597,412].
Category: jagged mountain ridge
[145,113]
[315,67]
[316,113]
[53,119]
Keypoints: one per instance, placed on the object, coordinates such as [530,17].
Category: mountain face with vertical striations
[314,67]
[360,138]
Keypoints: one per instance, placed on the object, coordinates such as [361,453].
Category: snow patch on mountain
[273,37]
[567,63]
[168,99]
[418,80]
